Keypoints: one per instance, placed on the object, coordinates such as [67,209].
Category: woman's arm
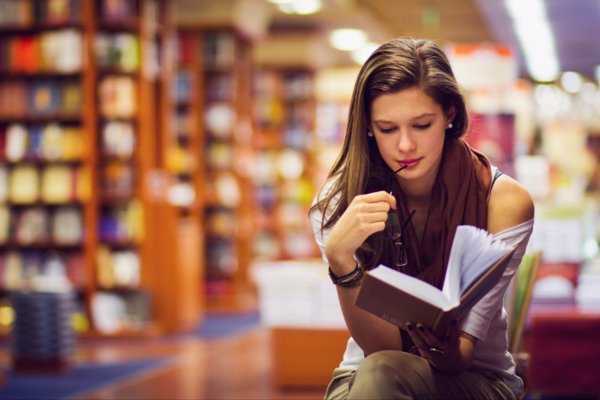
[365,215]
[509,205]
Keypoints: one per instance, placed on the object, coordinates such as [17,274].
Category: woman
[403,154]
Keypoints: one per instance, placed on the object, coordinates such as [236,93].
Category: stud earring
[450,126]
[369,134]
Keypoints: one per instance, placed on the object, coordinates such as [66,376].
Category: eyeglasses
[395,230]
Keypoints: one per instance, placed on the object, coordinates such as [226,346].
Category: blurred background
[158,159]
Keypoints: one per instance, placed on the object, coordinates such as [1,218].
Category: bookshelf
[284,118]
[82,120]
[46,207]
[213,114]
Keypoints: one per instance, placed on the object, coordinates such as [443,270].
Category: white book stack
[296,294]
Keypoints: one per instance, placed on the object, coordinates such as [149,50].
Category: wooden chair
[517,303]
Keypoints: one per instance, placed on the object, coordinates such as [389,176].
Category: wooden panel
[306,357]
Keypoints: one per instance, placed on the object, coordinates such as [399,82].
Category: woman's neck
[417,192]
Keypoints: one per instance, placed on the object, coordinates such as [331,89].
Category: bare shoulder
[510,204]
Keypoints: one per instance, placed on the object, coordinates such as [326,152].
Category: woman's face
[409,128]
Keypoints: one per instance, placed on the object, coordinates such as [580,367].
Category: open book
[475,265]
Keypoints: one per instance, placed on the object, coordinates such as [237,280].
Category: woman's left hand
[442,352]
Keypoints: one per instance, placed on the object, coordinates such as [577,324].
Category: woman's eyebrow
[385,121]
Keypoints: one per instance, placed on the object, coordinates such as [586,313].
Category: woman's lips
[410,163]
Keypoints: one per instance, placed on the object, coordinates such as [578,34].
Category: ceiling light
[306,7]
[361,54]
[571,81]
[302,7]
[347,39]
[535,38]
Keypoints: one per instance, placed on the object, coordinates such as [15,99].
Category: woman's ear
[450,115]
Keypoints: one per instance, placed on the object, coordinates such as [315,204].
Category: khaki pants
[398,375]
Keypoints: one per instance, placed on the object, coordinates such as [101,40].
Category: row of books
[219,86]
[27,13]
[117,96]
[117,180]
[118,268]
[219,155]
[19,268]
[119,50]
[220,50]
[37,225]
[20,98]
[123,223]
[114,312]
[221,257]
[41,12]
[280,97]
[115,10]
[59,51]
[63,225]
[53,184]
[118,139]
[41,142]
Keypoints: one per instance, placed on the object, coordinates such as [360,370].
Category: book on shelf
[475,265]
[23,186]
[4,178]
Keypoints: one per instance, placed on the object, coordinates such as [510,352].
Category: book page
[482,253]
[473,251]
[413,286]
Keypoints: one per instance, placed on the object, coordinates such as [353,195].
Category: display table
[299,306]
[306,357]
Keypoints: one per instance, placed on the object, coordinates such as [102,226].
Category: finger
[415,337]
[453,331]
[369,207]
[378,196]
[373,217]
[426,342]
[428,336]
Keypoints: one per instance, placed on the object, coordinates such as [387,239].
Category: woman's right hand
[366,214]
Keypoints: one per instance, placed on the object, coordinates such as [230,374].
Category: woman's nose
[405,142]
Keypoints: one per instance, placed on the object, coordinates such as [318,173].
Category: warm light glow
[347,39]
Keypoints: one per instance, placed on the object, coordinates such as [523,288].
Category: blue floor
[80,379]
[222,325]
[88,377]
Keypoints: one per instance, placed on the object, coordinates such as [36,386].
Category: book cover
[475,265]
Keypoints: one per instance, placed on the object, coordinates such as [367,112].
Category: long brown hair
[396,65]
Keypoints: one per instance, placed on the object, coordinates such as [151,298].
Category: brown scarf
[459,197]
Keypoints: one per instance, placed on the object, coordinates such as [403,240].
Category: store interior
[158,159]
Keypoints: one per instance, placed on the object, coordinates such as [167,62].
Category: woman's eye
[387,130]
[422,127]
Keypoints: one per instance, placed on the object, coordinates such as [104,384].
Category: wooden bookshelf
[213,111]
[136,246]
[284,143]
[45,135]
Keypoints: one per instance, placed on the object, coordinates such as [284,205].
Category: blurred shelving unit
[213,114]
[283,179]
[85,94]
[47,213]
